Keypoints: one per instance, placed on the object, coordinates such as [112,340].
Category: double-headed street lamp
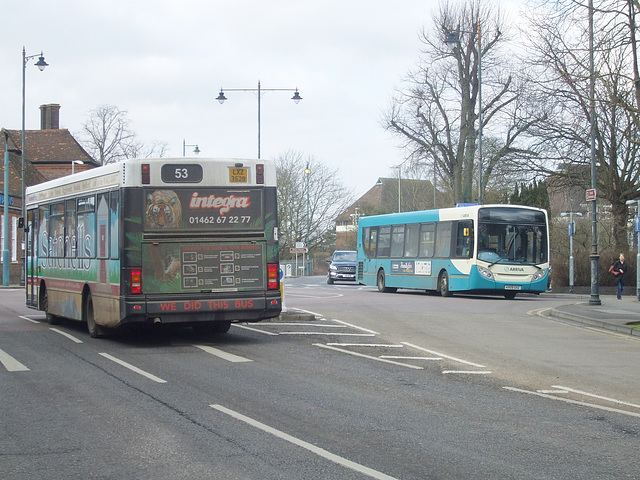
[296,98]
[453,42]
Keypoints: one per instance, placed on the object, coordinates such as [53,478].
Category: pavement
[621,316]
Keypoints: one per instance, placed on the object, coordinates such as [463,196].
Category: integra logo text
[223,203]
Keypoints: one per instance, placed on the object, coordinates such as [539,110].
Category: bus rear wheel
[95,331]
[382,284]
[443,284]
[51,319]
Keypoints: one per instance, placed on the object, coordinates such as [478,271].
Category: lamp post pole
[5,221]
[595,280]
[41,64]
[307,172]
[296,98]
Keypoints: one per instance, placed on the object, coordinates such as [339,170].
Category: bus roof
[215,172]
[452,213]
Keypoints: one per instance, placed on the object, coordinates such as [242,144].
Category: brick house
[49,153]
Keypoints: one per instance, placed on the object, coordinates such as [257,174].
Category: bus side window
[384,242]
[411,240]
[397,241]
[70,229]
[443,240]
[427,240]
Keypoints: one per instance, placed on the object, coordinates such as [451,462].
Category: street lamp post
[595,280]
[5,221]
[41,64]
[453,42]
[307,172]
[73,165]
[296,98]
[184,148]
[572,232]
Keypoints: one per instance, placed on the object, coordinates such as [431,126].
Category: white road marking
[573,402]
[230,357]
[355,326]
[301,443]
[335,334]
[444,356]
[294,324]
[593,395]
[468,372]
[133,368]
[364,345]
[69,336]
[392,357]
[356,354]
[30,319]
[11,364]
[237,325]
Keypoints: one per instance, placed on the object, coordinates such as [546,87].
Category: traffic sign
[298,250]
[591,194]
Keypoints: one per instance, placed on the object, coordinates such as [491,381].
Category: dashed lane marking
[229,357]
[133,368]
[11,364]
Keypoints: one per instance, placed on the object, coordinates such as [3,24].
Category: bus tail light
[146,174]
[272,276]
[136,281]
[260,174]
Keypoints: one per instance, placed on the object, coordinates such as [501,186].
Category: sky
[164,63]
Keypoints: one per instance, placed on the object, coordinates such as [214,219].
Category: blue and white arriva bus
[168,241]
[489,249]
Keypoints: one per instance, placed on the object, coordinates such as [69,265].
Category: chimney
[50,117]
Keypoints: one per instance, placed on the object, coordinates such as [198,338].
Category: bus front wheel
[382,285]
[443,284]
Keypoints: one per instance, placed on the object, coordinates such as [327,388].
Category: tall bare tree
[437,113]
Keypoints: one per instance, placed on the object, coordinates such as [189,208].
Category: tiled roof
[50,146]
[45,152]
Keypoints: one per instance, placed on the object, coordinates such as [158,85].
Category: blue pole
[5,222]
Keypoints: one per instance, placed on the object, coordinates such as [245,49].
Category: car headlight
[333,268]
[485,272]
[538,275]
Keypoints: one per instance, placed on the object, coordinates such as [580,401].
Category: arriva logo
[514,269]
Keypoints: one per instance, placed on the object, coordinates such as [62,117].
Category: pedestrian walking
[620,271]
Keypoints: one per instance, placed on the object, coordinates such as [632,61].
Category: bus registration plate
[513,287]
[238,175]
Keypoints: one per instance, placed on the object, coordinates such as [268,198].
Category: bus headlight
[485,272]
[538,275]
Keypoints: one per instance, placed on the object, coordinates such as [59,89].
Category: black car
[342,266]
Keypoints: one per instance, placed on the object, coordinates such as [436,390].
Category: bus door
[31,259]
